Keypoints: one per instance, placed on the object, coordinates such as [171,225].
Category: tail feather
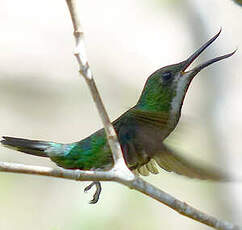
[33,147]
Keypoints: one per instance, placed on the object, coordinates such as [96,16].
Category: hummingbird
[141,130]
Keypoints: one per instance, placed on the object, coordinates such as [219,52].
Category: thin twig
[85,71]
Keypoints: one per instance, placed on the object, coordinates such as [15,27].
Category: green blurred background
[42,97]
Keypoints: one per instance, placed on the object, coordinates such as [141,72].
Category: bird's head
[166,88]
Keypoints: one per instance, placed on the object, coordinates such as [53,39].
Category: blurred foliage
[239,2]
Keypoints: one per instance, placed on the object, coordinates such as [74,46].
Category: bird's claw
[97,193]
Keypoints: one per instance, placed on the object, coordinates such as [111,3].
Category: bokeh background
[42,97]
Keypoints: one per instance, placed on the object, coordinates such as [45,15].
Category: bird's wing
[172,162]
[158,119]
[147,168]
[142,146]
[139,136]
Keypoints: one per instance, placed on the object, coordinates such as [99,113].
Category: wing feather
[143,171]
[159,119]
[151,166]
[172,162]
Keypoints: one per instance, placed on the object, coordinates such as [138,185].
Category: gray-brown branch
[136,184]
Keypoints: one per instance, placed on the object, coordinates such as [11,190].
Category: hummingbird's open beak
[198,68]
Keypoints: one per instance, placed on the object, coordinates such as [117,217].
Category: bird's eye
[166,76]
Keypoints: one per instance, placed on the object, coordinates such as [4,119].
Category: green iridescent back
[91,152]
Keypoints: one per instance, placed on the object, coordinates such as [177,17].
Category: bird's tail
[33,147]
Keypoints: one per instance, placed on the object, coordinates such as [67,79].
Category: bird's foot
[97,193]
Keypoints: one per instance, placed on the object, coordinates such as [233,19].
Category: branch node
[78,33]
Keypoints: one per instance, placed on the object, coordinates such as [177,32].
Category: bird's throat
[177,101]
